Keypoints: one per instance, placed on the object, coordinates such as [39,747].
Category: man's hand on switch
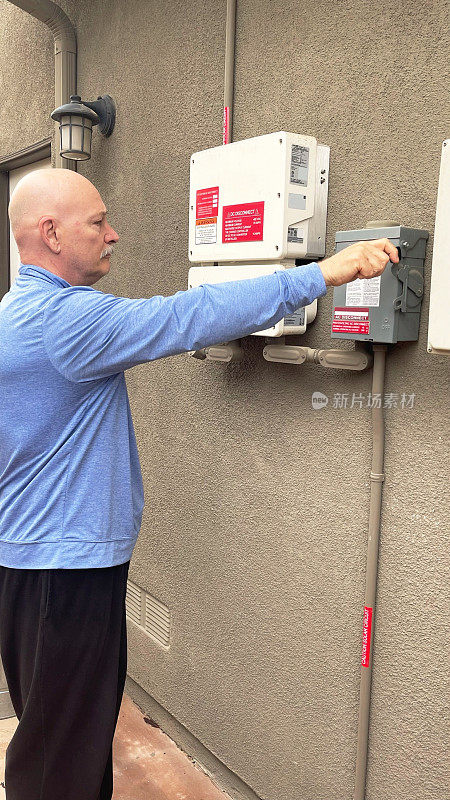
[360,260]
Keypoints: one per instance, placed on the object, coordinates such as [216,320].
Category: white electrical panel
[294,324]
[260,199]
[256,206]
[439,319]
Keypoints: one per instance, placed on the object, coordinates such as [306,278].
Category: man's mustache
[108,251]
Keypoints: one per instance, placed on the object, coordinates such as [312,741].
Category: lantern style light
[76,120]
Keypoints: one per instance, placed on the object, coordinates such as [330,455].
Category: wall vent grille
[157,620]
[134,603]
[152,616]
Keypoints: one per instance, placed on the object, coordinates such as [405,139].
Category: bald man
[71,494]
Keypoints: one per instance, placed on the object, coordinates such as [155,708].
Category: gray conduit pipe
[376,486]
[376,476]
[228,94]
[65,55]
[227,351]
[334,359]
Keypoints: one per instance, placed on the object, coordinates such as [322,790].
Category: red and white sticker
[367,630]
[350,320]
[243,222]
[207,203]
[206,213]
[226,125]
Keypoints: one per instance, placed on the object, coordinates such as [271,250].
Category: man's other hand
[360,260]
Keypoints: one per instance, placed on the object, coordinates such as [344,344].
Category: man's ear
[47,229]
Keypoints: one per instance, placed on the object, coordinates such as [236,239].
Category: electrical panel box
[256,206]
[439,319]
[294,324]
[385,309]
[260,199]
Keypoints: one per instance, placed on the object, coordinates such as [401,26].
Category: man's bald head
[47,191]
[59,222]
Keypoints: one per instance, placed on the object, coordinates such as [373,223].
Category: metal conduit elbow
[65,42]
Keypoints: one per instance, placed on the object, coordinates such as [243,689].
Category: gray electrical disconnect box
[384,309]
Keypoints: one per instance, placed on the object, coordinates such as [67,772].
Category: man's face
[87,238]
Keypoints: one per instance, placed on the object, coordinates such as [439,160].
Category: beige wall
[254,532]
[26,80]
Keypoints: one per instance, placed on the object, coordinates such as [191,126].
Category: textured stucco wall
[254,532]
[26,80]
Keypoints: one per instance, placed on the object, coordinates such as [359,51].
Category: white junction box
[294,324]
[439,320]
[259,199]
[256,206]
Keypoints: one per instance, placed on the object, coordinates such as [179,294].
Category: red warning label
[243,222]
[226,125]
[350,320]
[207,203]
[367,629]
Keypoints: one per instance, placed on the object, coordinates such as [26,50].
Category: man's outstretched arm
[90,335]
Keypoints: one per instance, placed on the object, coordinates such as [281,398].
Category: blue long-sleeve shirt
[71,493]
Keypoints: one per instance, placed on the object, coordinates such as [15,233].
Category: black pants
[64,650]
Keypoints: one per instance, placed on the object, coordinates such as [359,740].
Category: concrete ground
[147,764]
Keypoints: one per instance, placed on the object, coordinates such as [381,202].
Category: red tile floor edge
[149,766]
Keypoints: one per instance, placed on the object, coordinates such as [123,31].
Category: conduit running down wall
[65,56]
[377,474]
[228,93]
[376,487]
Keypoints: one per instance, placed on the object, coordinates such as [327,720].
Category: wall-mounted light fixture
[75,124]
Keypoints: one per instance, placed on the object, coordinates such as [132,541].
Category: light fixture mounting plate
[105,108]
